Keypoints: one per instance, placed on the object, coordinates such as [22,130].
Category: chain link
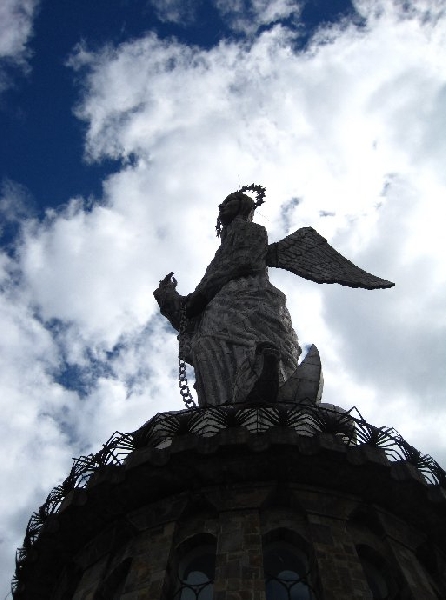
[182,376]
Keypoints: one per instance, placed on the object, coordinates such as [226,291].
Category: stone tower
[259,493]
[247,502]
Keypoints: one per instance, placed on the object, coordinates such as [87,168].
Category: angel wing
[306,253]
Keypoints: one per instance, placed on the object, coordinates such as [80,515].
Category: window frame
[187,552]
[293,545]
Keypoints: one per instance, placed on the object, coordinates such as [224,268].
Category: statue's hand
[166,286]
[169,299]
[168,280]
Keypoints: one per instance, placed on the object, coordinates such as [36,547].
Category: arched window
[375,573]
[196,570]
[286,572]
[434,567]
[113,586]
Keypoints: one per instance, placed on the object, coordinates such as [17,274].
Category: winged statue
[234,328]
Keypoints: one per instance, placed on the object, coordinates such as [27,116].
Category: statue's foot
[266,387]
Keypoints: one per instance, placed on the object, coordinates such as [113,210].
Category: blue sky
[124,124]
[42,143]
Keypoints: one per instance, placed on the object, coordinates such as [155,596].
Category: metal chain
[182,377]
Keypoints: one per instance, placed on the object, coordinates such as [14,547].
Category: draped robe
[243,310]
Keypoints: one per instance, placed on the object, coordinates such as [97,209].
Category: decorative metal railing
[159,432]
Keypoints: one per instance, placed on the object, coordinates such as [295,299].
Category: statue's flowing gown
[244,310]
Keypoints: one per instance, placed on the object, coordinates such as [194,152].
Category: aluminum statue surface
[235,329]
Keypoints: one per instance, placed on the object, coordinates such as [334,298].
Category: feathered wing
[307,254]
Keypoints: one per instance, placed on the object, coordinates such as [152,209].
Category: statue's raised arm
[235,329]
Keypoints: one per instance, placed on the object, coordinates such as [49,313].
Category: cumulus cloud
[247,16]
[180,12]
[16,205]
[350,127]
[35,413]
[16,21]
[241,16]
[47,418]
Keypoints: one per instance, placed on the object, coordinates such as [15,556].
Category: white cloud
[241,16]
[15,201]
[247,16]
[34,409]
[351,127]
[15,26]
[180,12]
[16,21]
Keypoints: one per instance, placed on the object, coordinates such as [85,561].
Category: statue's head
[238,204]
